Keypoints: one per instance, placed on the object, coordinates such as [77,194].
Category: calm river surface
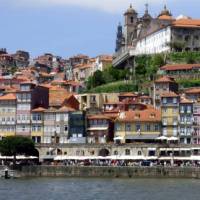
[99,189]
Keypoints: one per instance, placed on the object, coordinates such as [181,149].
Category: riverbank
[109,172]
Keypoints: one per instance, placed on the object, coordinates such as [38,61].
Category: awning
[185,149]
[162,138]
[152,149]
[172,138]
[195,158]
[174,158]
[19,157]
[63,157]
[151,158]
[118,138]
[48,157]
[141,137]
[126,157]
[98,129]
[195,148]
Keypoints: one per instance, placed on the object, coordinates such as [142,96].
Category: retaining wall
[110,172]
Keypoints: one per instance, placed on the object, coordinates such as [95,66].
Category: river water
[99,189]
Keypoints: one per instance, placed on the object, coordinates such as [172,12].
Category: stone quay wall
[109,172]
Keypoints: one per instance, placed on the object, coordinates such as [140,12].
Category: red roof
[184,100]
[128,94]
[9,96]
[169,94]
[98,116]
[147,115]
[39,109]
[177,67]
[195,23]
[165,79]
[193,91]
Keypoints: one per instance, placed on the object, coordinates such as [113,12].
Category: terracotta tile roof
[46,85]
[58,95]
[195,23]
[39,109]
[51,109]
[81,56]
[128,94]
[112,115]
[193,91]
[165,79]
[73,83]
[147,115]
[169,94]
[98,116]
[177,67]
[83,66]
[144,97]
[184,100]
[66,109]
[165,17]
[9,96]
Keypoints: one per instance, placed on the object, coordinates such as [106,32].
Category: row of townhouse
[133,121]
[43,114]
[48,114]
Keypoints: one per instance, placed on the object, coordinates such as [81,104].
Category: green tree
[156,62]
[17,145]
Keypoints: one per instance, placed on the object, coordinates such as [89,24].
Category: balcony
[122,55]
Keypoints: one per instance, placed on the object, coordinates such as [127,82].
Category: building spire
[146,8]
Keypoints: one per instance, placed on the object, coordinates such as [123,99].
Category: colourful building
[170,113]
[186,121]
[196,124]
[162,85]
[7,115]
[99,129]
[138,126]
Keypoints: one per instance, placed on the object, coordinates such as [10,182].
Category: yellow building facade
[7,115]
[138,126]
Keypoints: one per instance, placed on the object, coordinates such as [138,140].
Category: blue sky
[69,27]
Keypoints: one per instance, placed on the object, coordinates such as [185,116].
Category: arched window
[104,152]
[131,20]
[127,152]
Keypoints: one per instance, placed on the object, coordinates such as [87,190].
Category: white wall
[155,43]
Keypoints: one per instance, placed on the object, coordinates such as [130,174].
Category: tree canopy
[17,145]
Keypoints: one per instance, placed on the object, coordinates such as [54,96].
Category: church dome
[165,12]
[130,10]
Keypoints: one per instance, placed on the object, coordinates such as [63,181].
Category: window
[187,37]
[139,153]
[118,127]
[156,127]
[128,127]
[66,128]
[127,152]
[174,110]
[137,127]
[131,20]
[189,109]
[175,131]
[115,153]
[174,100]
[148,127]
[164,100]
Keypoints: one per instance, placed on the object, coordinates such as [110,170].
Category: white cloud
[113,6]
